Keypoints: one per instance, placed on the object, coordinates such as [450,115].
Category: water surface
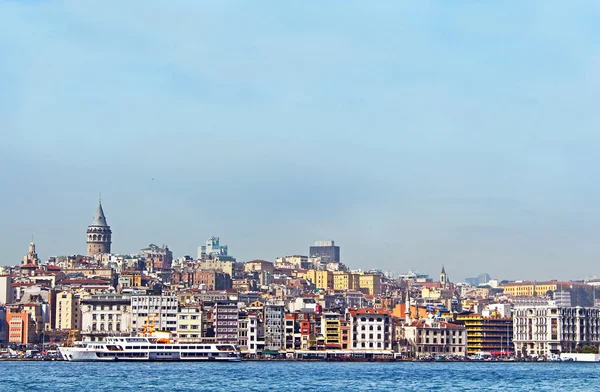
[298,376]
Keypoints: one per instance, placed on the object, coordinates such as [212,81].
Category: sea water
[298,376]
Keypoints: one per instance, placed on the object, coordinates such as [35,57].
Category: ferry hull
[89,355]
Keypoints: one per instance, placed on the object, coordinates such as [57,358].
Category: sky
[414,134]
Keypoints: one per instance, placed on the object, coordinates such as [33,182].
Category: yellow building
[217,265]
[343,280]
[331,330]
[321,279]
[370,284]
[488,334]
[530,289]
[67,311]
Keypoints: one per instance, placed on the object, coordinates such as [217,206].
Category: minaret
[98,234]
[407,318]
[443,278]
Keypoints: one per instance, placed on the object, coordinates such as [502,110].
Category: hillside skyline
[414,134]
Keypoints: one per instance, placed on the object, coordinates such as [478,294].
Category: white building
[162,309]
[541,331]
[105,314]
[561,298]
[299,262]
[503,310]
[212,249]
[6,290]
[370,329]
[189,324]
[256,340]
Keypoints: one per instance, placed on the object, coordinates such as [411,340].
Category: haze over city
[414,135]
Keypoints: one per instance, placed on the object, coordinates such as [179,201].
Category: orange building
[399,312]
[18,326]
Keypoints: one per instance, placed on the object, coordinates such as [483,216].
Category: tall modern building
[98,234]
[213,250]
[326,250]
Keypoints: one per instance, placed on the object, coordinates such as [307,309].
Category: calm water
[298,376]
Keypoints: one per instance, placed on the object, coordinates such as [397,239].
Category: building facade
[226,322]
[189,324]
[274,325]
[67,311]
[105,314]
[432,337]
[326,251]
[541,331]
[158,310]
[370,329]
[491,334]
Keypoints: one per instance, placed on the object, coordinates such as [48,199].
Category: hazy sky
[414,134]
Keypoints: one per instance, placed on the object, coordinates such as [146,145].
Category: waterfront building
[545,330]
[335,330]
[434,337]
[19,326]
[243,328]
[274,325]
[105,314]
[226,322]
[370,329]
[99,234]
[189,324]
[67,308]
[160,310]
[326,251]
[293,338]
[491,334]
[256,340]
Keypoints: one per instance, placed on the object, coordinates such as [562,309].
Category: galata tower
[98,234]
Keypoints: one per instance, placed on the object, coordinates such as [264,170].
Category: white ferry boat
[148,349]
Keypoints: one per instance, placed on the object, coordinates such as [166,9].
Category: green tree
[589,349]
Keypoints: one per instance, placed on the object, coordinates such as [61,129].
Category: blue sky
[415,134]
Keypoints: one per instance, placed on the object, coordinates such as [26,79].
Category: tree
[589,349]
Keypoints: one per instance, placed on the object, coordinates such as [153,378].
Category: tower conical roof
[443,270]
[99,219]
